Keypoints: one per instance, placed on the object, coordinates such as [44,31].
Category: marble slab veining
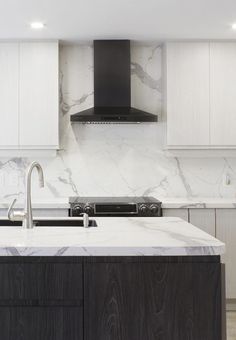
[167,203]
[105,160]
[163,236]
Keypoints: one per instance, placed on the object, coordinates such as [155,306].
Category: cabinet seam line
[19,95]
[209,119]
[215,224]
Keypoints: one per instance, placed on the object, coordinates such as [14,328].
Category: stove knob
[88,209]
[77,210]
[143,209]
[154,209]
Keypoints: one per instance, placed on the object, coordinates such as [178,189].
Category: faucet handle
[85,220]
[14,215]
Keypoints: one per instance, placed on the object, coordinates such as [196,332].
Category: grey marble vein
[53,189]
[61,251]
[66,107]
[82,99]
[133,154]
[183,179]
[14,195]
[113,237]
[153,51]
[153,189]
[13,251]
[69,181]
[144,77]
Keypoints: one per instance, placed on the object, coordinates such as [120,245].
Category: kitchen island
[126,279]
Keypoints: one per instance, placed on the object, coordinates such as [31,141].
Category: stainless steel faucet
[26,216]
[85,220]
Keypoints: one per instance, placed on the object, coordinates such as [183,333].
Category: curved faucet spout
[28,220]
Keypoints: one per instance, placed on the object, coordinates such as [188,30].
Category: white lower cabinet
[226,232]
[181,213]
[203,219]
[220,223]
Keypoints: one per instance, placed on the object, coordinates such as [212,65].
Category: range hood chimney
[112,95]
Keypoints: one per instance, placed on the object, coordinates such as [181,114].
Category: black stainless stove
[115,206]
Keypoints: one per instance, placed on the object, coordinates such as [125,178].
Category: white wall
[116,159]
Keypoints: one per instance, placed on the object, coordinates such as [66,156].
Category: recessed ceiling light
[37,25]
[234,26]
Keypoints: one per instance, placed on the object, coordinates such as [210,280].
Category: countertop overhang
[114,236]
[167,203]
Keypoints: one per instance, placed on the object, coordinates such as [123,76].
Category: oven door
[115,209]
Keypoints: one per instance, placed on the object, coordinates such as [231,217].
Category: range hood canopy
[112,94]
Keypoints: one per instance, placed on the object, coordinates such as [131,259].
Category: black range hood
[112,93]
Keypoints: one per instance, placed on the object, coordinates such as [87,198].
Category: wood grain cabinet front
[153,301]
[41,283]
[41,323]
[111,298]
[41,301]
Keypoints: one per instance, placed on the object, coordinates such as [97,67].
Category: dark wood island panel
[164,298]
[112,298]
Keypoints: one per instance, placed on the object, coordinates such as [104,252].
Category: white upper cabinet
[201,95]
[223,93]
[9,68]
[187,105]
[38,90]
[29,101]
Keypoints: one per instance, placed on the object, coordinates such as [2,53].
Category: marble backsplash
[117,159]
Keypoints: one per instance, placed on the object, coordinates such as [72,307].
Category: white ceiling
[132,19]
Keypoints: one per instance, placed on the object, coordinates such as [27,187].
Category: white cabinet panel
[226,232]
[223,93]
[38,88]
[203,219]
[187,102]
[182,213]
[9,95]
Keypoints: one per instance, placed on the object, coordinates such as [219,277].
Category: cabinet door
[223,93]
[187,94]
[41,300]
[41,283]
[150,301]
[9,53]
[38,95]
[41,323]
[203,219]
[226,232]
[181,213]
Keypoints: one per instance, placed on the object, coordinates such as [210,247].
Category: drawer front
[41,283]
[37,323]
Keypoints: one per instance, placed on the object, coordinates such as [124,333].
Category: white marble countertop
[163,236]
[167,203]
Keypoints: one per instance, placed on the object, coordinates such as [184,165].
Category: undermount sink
[50,222]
